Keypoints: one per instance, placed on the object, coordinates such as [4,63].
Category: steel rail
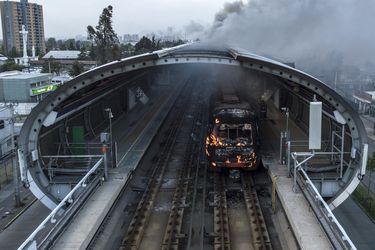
[172,232]
[260,236]
[221,220]
[195,187]
[139,222]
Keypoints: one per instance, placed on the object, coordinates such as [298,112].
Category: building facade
[22,87]
[13,16]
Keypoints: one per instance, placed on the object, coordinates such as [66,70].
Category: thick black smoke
[229,8]
[333,32]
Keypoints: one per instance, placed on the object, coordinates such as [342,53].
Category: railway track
[182,205]
[237,215]
[157,222]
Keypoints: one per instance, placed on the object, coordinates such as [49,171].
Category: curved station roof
[48,109]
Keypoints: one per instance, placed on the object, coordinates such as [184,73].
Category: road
[357,224]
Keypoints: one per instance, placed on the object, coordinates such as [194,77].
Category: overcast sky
[68,18]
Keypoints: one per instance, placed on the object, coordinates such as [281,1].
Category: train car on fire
[232,142]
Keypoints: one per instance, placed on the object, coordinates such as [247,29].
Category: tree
[51,66]
[61,45]
[77,69]
[13,53]
[156,45]
[10,65]
[127,50]
[51,44]
[71,44]
[104,37]
[143,46]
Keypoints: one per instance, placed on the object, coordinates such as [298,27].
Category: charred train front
[232,141]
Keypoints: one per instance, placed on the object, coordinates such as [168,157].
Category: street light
[286,110]
[110,116]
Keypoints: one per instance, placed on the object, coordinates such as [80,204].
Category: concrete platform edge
[308,233]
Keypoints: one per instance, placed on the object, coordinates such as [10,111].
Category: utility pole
[17,196]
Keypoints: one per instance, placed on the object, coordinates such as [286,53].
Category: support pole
[288,157]
[342,149]
[17,196]
[104,139]
[110,116]
[115,158]
[104,151]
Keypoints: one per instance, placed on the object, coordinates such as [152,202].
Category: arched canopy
[185,54]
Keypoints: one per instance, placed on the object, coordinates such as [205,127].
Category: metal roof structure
[186,54]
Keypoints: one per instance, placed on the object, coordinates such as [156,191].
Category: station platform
[303,222]
[132,146]
[305,226]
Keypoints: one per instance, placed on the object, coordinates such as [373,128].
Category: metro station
[118,156]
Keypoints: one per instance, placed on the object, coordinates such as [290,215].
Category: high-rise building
[13,16]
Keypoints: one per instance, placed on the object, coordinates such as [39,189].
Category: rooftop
[21,75]
[62,54]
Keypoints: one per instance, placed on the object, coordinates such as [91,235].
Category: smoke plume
[305,31]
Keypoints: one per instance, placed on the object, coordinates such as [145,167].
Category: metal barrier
[30,242]
[339,232]
[301,144]
[336,227]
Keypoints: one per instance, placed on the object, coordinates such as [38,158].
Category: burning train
[232,142]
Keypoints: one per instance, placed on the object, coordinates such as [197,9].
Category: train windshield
[241,134]
[234,113]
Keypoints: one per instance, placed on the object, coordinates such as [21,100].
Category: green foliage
[106,43]
[92,53]
[51,66]
[77,69]
[168,44]
[363,194]
[13,53]
[70,44]
[371,162]
[144,45]
[10,65]
[51,44]
[365,200]
[127,50]
[147,45]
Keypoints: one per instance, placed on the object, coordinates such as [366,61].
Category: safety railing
[299,147]
[340,235]
[335,225]
[30,242]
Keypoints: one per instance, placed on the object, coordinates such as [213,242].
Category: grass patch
[365,200]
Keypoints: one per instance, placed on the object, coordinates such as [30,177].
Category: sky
[308,31]
[69,18]
[312,33]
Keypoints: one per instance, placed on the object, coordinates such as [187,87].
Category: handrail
[72,156]
[68,198]
[332,218]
